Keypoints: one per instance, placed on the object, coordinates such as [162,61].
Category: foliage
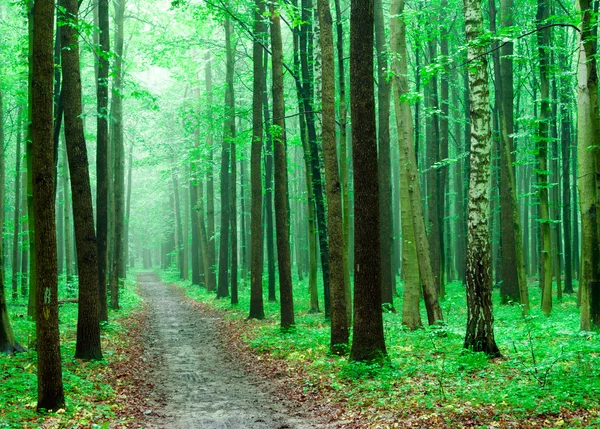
[90,398]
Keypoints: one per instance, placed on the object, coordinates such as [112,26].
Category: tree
[211,282]
[368,343]
[588,161]
[256,255]
[102,154]
[480,318]
[339,316]
[15,250]
[411,316]
[7,339]
[49,372]
[282,219]
[88,320]
[383,136]
[228,136]
[119,267]
[543,175]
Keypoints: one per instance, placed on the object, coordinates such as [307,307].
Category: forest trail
[199,385]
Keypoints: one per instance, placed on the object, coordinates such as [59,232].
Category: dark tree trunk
[49,372]
[102,155]
[368,343]
[282,218]
[385,166]
[307,101]
[256,263]
[88,319]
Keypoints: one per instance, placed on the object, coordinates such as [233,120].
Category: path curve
[198,384]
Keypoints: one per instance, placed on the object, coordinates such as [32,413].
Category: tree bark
[588,127]
[411,316]
[368,343]
[480,319]
[543,175]
[102,154]
[88,319]
[228,136]
[256,266]
[49,372]
[385,166]
[307,100]
[339,315]
[282,218]
[15,249]
[211,277]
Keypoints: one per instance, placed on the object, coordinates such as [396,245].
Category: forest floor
[548,377]
[199,380]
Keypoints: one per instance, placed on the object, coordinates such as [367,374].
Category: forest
[299,214]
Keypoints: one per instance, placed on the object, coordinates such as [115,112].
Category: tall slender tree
[102,154]
[339,316]
[88,320]
[256,255]
[282,218]
[480,318]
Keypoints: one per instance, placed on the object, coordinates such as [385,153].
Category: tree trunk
[102,154]
[310,200]
[211,277]
[25,239]
[343,146]
[307,100]
[177,217]
[411,316]
[368,343]
[282,218]
[119,151]
[268,200]
[228,136]
[480,319]
[31,307]
[67,223]
[193,190]
[256,263]
[88,319]
[130,258]
[49,372]
[565,141]
[543,176]
[385,166]
[15,249]
[588,127]
[339,315]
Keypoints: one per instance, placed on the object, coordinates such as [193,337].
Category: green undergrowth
[87,389]
[547,364]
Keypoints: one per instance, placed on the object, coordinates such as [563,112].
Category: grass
[87,389]
[548,367]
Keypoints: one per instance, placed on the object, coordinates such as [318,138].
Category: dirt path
[197,384]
